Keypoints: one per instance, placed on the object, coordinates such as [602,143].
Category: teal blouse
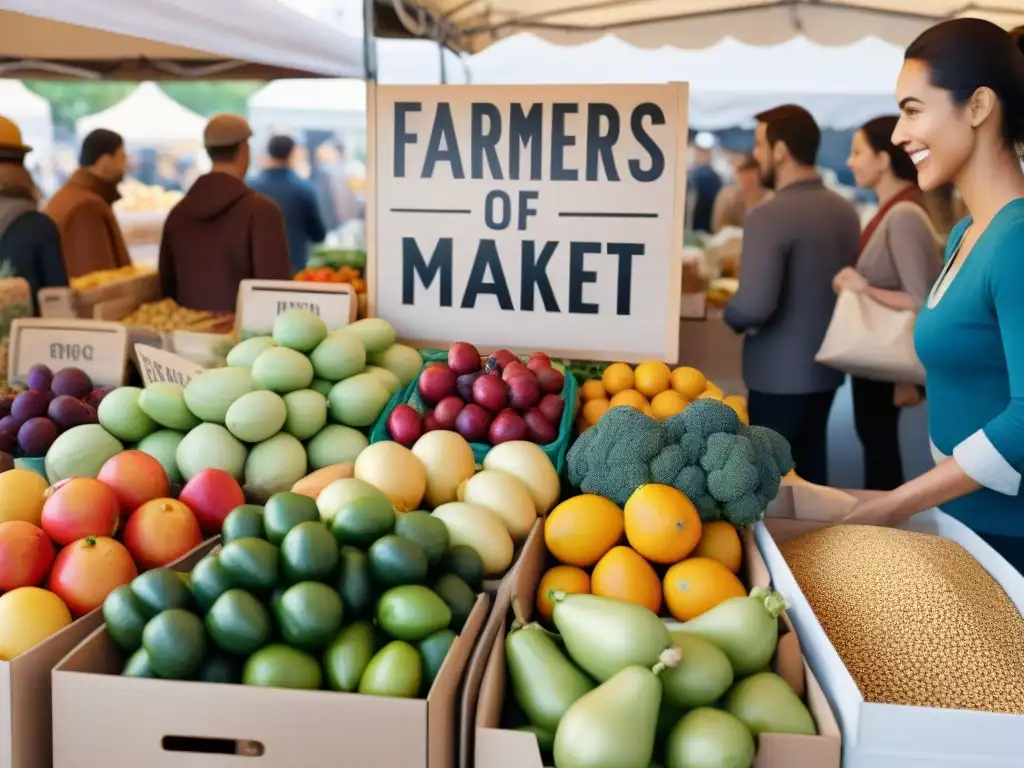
[971,343]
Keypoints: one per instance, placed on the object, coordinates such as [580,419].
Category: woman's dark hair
[878,133]
[967,54]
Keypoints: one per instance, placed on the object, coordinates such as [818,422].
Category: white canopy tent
[32,114]
[730,82]
[163,39]
[473,25]
[147,117]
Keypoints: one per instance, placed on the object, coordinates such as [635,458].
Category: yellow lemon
[617,377]
[652,378]
[593,410]
[709,394]
[29,615]
[688,382]
[668,403]
[21,496]
[592,390]
[629,397]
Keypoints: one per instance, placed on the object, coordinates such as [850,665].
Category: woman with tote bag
[897,266]
[961,93]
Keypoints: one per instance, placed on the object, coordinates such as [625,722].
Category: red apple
[463,358]
[538,428]
[524,392]
[503,357]
[211,495]
[135,477]
[80,507]
[491,393]
[551,381]
[26,554]
[515,368]
[430,422]
[447,411]
[464,385]
[552,407]
[539,359]
[436,382]
[507,426]
[472,423]
[405,425]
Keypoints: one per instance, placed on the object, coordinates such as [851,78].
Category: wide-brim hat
[11,142]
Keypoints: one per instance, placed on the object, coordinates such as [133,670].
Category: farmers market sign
[98,348]
[541,217]
[157,365]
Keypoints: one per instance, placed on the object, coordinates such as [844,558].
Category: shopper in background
[793,245]
[735,201]
[82,208]
[961,92]
[897,266]
[704,183]
[29,240]
[222,232]
[294,196]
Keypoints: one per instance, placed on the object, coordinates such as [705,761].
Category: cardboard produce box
[175,724]
[25,729]
[886,735]
[500,748]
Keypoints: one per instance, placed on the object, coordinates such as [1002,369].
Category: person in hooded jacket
[222,232]
[29,240]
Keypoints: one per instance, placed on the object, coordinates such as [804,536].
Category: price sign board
[261,301]
[531,217]
[157,365]
[98,348]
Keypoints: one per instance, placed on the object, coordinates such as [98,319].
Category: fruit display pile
[168,315]
[327,274]
[652,388]
[489,400]
[623,688]
[31,420]
[65,548]
[103,277]
[340,587]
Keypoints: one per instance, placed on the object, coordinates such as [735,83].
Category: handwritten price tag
[98,348]
[261,301]
[156,365]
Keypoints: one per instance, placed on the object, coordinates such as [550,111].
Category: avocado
[175,642]
[427,531]
[396,670]
[125,617]
[363,520]
[281,666]
[309,553]
[434,650]
[138,665]
[220,667]
[243,522]
[464,562]
[210,580]
[347,656]
[286,510]
[457,596]
[355,584]
[161,589]
[251,564]
[238,623]
[411,612]
[395,561]
[309,615]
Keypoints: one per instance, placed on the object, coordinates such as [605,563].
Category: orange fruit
[688,382]
[592,390]
[622,574]
[617,377]
[667,404]
[568,578]
[697,585]
[629,397]
[720,541]
[661,523]
[593,410]
[710,394]
[651,378]
[581,529]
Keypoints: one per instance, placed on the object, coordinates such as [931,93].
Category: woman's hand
[849,279]
[906,395]
[877,511]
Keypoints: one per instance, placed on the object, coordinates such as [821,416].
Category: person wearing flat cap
[222,232]
[29,240]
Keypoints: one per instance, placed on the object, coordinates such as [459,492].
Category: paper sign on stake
[157,365]
[530,217]
[98,348]
[261,301]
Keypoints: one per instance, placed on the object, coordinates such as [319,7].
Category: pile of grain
[914,617]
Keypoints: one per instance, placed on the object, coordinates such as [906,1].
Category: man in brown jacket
[222,232]
[89,233]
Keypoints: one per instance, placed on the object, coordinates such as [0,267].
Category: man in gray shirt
[793,245]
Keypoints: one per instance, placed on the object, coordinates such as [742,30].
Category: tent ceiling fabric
[170,39]
[147,116]
[472,25]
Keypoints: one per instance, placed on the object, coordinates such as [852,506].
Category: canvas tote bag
[869,340]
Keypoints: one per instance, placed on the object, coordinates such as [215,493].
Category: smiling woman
[961,96]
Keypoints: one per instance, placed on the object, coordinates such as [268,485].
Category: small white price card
[157,365]
[98,348]
[261,301]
